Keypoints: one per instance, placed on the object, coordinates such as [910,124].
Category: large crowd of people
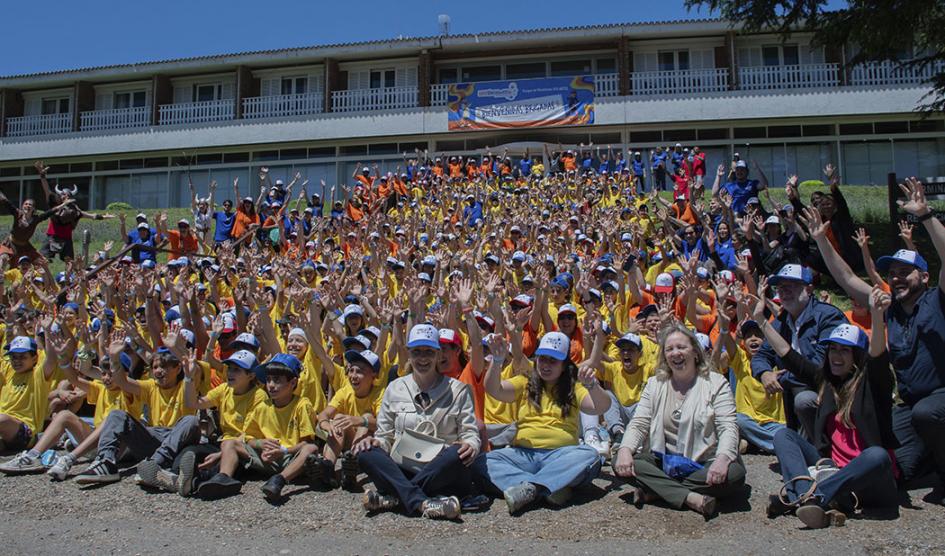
[469,328]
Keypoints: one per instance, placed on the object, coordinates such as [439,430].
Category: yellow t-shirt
[106,401]
[348,403]
[234,408]
[628,387]
[496,412]
[165,406]
[23,396]
[750,396]
[545,428]
[310,382]
[289,425]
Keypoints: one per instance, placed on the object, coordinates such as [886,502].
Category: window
[818,129]
[780,55]
[381,79]
[712,134]
[55,106]
[203,93]
[606,65]
[673,60]
[294,85]
[447,76]
[784,131]
[525,71]
[750,132]
[130,99]
[482,73]
[570,68]
[856,129]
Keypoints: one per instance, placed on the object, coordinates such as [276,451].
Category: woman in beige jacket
[685,410]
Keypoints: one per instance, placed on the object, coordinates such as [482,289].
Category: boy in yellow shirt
[234,400]
[279,431]
[24,386]
[351,414]
[171,426]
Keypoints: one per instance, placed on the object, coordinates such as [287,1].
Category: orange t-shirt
[242,222]
[182,245]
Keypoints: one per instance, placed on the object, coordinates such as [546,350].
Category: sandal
[708,508]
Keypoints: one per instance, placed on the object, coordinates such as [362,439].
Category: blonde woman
[682,443]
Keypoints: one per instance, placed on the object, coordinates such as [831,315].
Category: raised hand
[905,231]
[862,239]
[915,203]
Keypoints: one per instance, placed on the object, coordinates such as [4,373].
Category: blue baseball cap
[792,272]
[283,362]
[848,335]
[243,359]
[22,344]
[904,256]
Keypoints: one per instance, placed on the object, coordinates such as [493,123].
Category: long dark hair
[844,389]
[562,392]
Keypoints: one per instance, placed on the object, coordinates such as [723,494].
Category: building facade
[137,133]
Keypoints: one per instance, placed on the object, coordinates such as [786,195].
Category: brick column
[333,81]
[12,103]
[247,86]
[424,78]
[624,66]
[161,93]
[84,96]
[731,60]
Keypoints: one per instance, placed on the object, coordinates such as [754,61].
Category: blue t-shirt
[677,159]
[224,225]
[656,159]
[525,166]
[741,192]
[916,343]
[604,167]
[138,255]
[638,167]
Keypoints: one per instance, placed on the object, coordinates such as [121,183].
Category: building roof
[392,46]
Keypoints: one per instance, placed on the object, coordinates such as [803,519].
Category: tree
[883,30]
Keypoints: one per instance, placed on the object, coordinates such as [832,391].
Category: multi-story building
[135,132]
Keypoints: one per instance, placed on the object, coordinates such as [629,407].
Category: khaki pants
[650,476]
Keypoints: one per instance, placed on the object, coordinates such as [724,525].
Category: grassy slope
[868,205]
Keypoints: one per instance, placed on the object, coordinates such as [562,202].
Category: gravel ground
[40,517]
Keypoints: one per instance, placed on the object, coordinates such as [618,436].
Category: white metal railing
[117,118]
[679,81]
[46,124]
[606,85]
[439,93]
[891,73]
[359,100]
[284,105]
[197,112]
[809,76]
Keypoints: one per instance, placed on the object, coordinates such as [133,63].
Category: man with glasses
[794,345]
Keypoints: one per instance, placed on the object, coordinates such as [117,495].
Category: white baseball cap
[555,345]
[423,335]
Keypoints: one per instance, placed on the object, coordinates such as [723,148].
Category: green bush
[119,205]
[812,183]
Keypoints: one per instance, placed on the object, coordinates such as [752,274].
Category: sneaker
[519,496]
[318,471]
[560,498]
[595,441]
[219,486]
[21,464]
[188,467]
[742,446]
[441,507]
[349,471]
[60,470]
[272,490]
[815,517]
[99,473]
[153,475]
[374,501]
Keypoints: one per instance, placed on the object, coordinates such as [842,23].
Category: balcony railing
[810,76]
[197,112]
[891,73]
[46,124]
[118,118]
[679,81]
[284,105]
[360,100]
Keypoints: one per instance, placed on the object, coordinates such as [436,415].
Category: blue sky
[62,34]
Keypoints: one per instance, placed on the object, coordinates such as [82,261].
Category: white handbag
[417,447]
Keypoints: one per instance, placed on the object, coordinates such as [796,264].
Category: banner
[551,101]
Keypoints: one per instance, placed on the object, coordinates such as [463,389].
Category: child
[351,414]
[235,400]
[23,391]
[171,425]
[279,431]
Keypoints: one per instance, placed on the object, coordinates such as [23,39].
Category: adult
[25,220]
[741,188]
[682,443]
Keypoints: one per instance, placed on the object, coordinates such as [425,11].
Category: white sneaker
[22,463]
[602,446]
[60,470]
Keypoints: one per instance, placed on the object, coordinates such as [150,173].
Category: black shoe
[349,471]
[319,471]
[273,488]
[219,486]
[776,507]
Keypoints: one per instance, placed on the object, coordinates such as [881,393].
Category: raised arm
[916,205]
[839,269]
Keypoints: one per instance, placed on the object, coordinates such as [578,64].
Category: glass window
[791,57]
[666,61]
[447,76]
[382,79]
[682,60]
[482,73]
[571,67]
[130,99]
[525,71]
[294,85]
[606,65]
[55,106]
[203,93]
[770,56]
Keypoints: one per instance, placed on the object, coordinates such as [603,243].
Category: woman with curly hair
[682,443]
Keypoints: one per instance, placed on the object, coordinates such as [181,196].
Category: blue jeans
[446,474]
[920,430]
[759,435]
[869,475]
[553,470]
